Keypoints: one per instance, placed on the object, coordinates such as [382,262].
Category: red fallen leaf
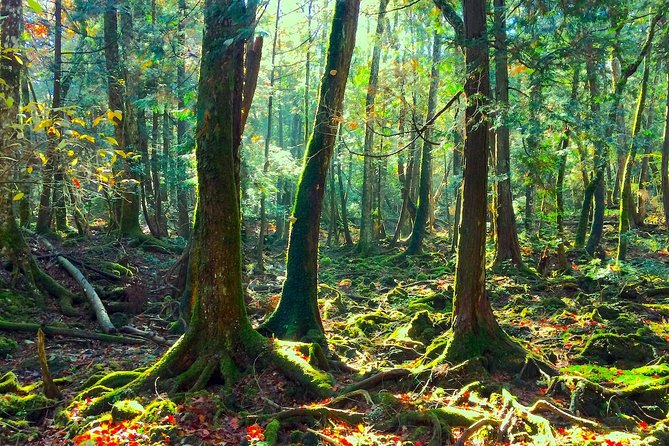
[170,419]
[561,430]
[345,442]
[543,389]
[255,432]
[76,182]
[89,400]
[466,394]
[656,376]
[619,372]
[418,443]
[612,443]
[643,425]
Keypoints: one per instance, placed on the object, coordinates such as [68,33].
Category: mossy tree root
[499,351]
[188,366]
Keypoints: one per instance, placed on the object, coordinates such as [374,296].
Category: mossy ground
[380,313]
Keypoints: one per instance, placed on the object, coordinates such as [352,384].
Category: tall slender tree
[366,241]
[506,233]
[425,189]
[297,315]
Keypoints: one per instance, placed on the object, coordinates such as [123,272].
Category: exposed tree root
[388,375]
[474,428]
[545,406]
[187,366]
[316,412]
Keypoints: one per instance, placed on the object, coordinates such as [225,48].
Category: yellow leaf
[79,121]
[97,120]
[121,153]
[117,114]
[75,161]
[292,219]
[102,154]
[43,158]
[99,187]
[70,153]
[88,138]
[112,141]
[54,131]
[29,169]
[18,196]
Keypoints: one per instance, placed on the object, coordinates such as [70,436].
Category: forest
[334,222]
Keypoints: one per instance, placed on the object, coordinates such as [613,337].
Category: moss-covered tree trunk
[507,247]
[297,315]
[665,157]
[475,330]
[366,241]
[627,205]
[220,341]
[425,189]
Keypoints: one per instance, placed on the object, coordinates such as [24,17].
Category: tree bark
[627,201]
[475,329]
[425,190]
[665,157]
[366,241]
[297,315]
[260,247]
[507,247]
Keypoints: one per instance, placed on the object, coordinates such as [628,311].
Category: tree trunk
[425,190]
[181,189]
[260,247]
[366,241]
[297,315]
[644,177]
[342,198]
[665,158]
[627,201]
[475,330]
[220,342]
[507,247]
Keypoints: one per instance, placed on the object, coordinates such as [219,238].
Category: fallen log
[145,335]
[89,291]
[71,332]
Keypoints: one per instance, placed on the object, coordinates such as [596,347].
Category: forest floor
[604,328]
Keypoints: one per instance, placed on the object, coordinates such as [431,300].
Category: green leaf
[35,6]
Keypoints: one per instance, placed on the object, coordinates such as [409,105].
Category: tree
[506,233]
[425,188]
[475,331]
[12,242]
[297,315]
[367,202]
[220,340]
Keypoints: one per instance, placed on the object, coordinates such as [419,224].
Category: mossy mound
[126,410]
[613,349]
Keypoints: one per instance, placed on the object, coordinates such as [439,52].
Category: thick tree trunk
[297,315]
[475,330]
[366,241]
[507,247]
[425,190]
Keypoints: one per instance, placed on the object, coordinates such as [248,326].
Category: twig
[545,406]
